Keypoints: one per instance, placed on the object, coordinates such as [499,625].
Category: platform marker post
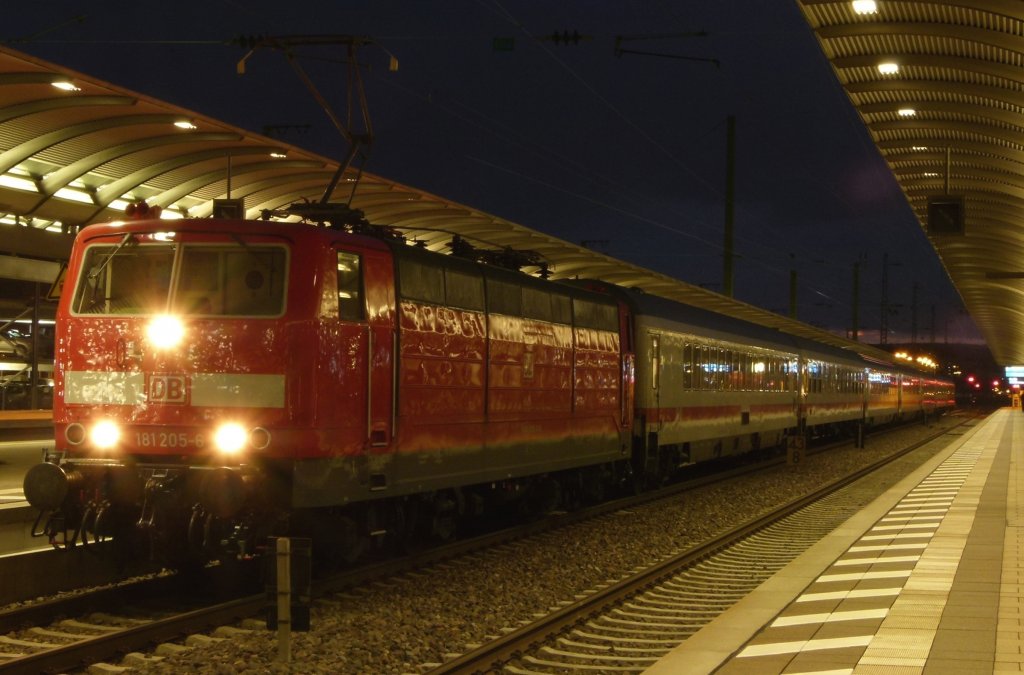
[284,600]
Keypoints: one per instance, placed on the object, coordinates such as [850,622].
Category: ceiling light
[865,7]
[278,155]
[74,195]
[65,86]
[919,148]
[930,174]
[906,112]
[16,183]
[888,68]
[184,124]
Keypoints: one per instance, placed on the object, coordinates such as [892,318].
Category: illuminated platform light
[74,195]
[184,124]
[64,85]
[16,183]
[906,112]
[888,68]
[865,7]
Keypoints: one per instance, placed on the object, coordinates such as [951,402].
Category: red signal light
[141,210]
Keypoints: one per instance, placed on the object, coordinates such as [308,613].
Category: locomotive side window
[464,290]
[350,287]
[421,281]
[561,309]
[504,297]
[536,304]
[587,314]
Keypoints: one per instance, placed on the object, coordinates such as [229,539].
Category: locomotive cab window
[124,278]
[350,287]
[200,279]
[231,280]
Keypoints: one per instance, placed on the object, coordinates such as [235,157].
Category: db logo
[166,389]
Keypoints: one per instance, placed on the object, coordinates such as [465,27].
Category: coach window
[713,369]
[350,287]
[688,366]
[730,376]
[655,361]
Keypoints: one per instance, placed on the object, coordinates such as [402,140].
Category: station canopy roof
[940,88]
[75,150]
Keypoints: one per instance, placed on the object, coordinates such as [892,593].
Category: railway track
[39,638]
[627,626]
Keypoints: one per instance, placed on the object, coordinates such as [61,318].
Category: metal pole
[883,326]
[34,381]
[284,600]
[730,197]
[948,162]
[855,321]
[792,294]
[913,314]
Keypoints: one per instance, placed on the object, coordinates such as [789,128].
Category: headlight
[230,438]
[165,331]
[104,435]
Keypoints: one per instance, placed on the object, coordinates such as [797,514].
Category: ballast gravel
[420,620]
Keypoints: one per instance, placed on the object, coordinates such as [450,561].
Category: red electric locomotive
[219,380]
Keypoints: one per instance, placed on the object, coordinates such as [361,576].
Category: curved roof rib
[960,66]
[108,146]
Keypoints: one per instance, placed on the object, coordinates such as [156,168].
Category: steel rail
[94,649]
[490,656]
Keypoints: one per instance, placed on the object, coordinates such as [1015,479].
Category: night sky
[626,153]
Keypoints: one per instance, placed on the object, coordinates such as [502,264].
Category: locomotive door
[365,283]
[378,281]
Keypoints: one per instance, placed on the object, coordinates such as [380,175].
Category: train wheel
[388,524]
[595,483]
[348,544]
[543,496]
[445,518]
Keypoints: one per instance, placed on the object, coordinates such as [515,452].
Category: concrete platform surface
[927,579]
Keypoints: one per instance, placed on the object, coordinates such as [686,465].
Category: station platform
[25,425]
[927,579]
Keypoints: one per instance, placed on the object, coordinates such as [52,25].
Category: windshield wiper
[247,247]
[124,240]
